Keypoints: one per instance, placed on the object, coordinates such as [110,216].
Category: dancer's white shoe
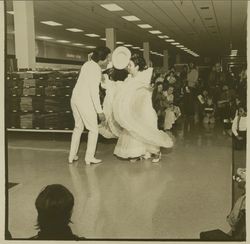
[89,161]
[157,158]
[74,159]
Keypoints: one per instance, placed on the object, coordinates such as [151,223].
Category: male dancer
[85,104]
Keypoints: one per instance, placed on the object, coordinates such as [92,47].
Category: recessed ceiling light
[63,41]
[10,12]
[176,43]
[169,40]
[103,39]
[161,37]
[90,46]
[51,23]
[74,30]
[173,43]
[127,45]
[179,46]
[78,44]
[155,32]
[141,49]
[145,26]
[130,18]
[112,7]
[91,35]
[165,36]
[136,47]
[119,42]
[44,37]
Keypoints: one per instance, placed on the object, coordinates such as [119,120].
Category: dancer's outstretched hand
[101,117]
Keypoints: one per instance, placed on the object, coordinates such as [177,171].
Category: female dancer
[132,110]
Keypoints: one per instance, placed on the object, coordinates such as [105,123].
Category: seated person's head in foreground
[54,205]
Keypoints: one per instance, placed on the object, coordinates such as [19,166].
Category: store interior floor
[189,191]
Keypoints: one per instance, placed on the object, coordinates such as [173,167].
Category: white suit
[85,104]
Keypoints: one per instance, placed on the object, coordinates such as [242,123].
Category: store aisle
[188,192]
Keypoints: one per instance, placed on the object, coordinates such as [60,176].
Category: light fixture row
[64,41]
[115,7]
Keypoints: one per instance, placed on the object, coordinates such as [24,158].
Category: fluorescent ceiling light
[103,39]
[130,18]
[63,41]
[176,43]
[90,46]
[112,7]
[179,46]
[44,37]
[155,32]
[141,49]
[78,44]
[91,35]
[169,40]
[74,30]
[136,47]
[145,26]
[163,36]
[119,42]
[173,43]
[127,45]
[51,23]
[10,12]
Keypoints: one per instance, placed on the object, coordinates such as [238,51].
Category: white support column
[110,38]
[24,34]
[146,52]
[165,60]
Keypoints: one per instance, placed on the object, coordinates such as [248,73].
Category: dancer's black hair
[100,54]
[139,60]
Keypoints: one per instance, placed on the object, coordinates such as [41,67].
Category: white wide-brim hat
[121,57]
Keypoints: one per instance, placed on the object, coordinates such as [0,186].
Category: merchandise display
[40,100]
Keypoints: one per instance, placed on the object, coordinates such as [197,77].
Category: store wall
[45,49]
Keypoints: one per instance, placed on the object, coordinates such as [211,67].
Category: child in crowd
[239,128]
[172,112]
[209,111]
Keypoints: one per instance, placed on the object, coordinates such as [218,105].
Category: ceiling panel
[204,26]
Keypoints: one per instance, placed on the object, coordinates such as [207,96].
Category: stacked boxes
[36,100]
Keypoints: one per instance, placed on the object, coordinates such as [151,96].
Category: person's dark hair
[168,86]
[54,205]
[242,105]
[100,53]
[138,60]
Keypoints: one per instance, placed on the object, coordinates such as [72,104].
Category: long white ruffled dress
[131,117]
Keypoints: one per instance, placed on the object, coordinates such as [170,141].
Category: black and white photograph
[124,120]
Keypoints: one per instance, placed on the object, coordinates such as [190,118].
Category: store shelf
[40,130]
[29,102]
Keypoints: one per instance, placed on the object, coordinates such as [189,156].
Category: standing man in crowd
[217,79]
[86,106]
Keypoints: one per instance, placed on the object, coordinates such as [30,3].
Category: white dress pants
[79,114]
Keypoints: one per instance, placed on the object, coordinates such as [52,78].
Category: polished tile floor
[189,191]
